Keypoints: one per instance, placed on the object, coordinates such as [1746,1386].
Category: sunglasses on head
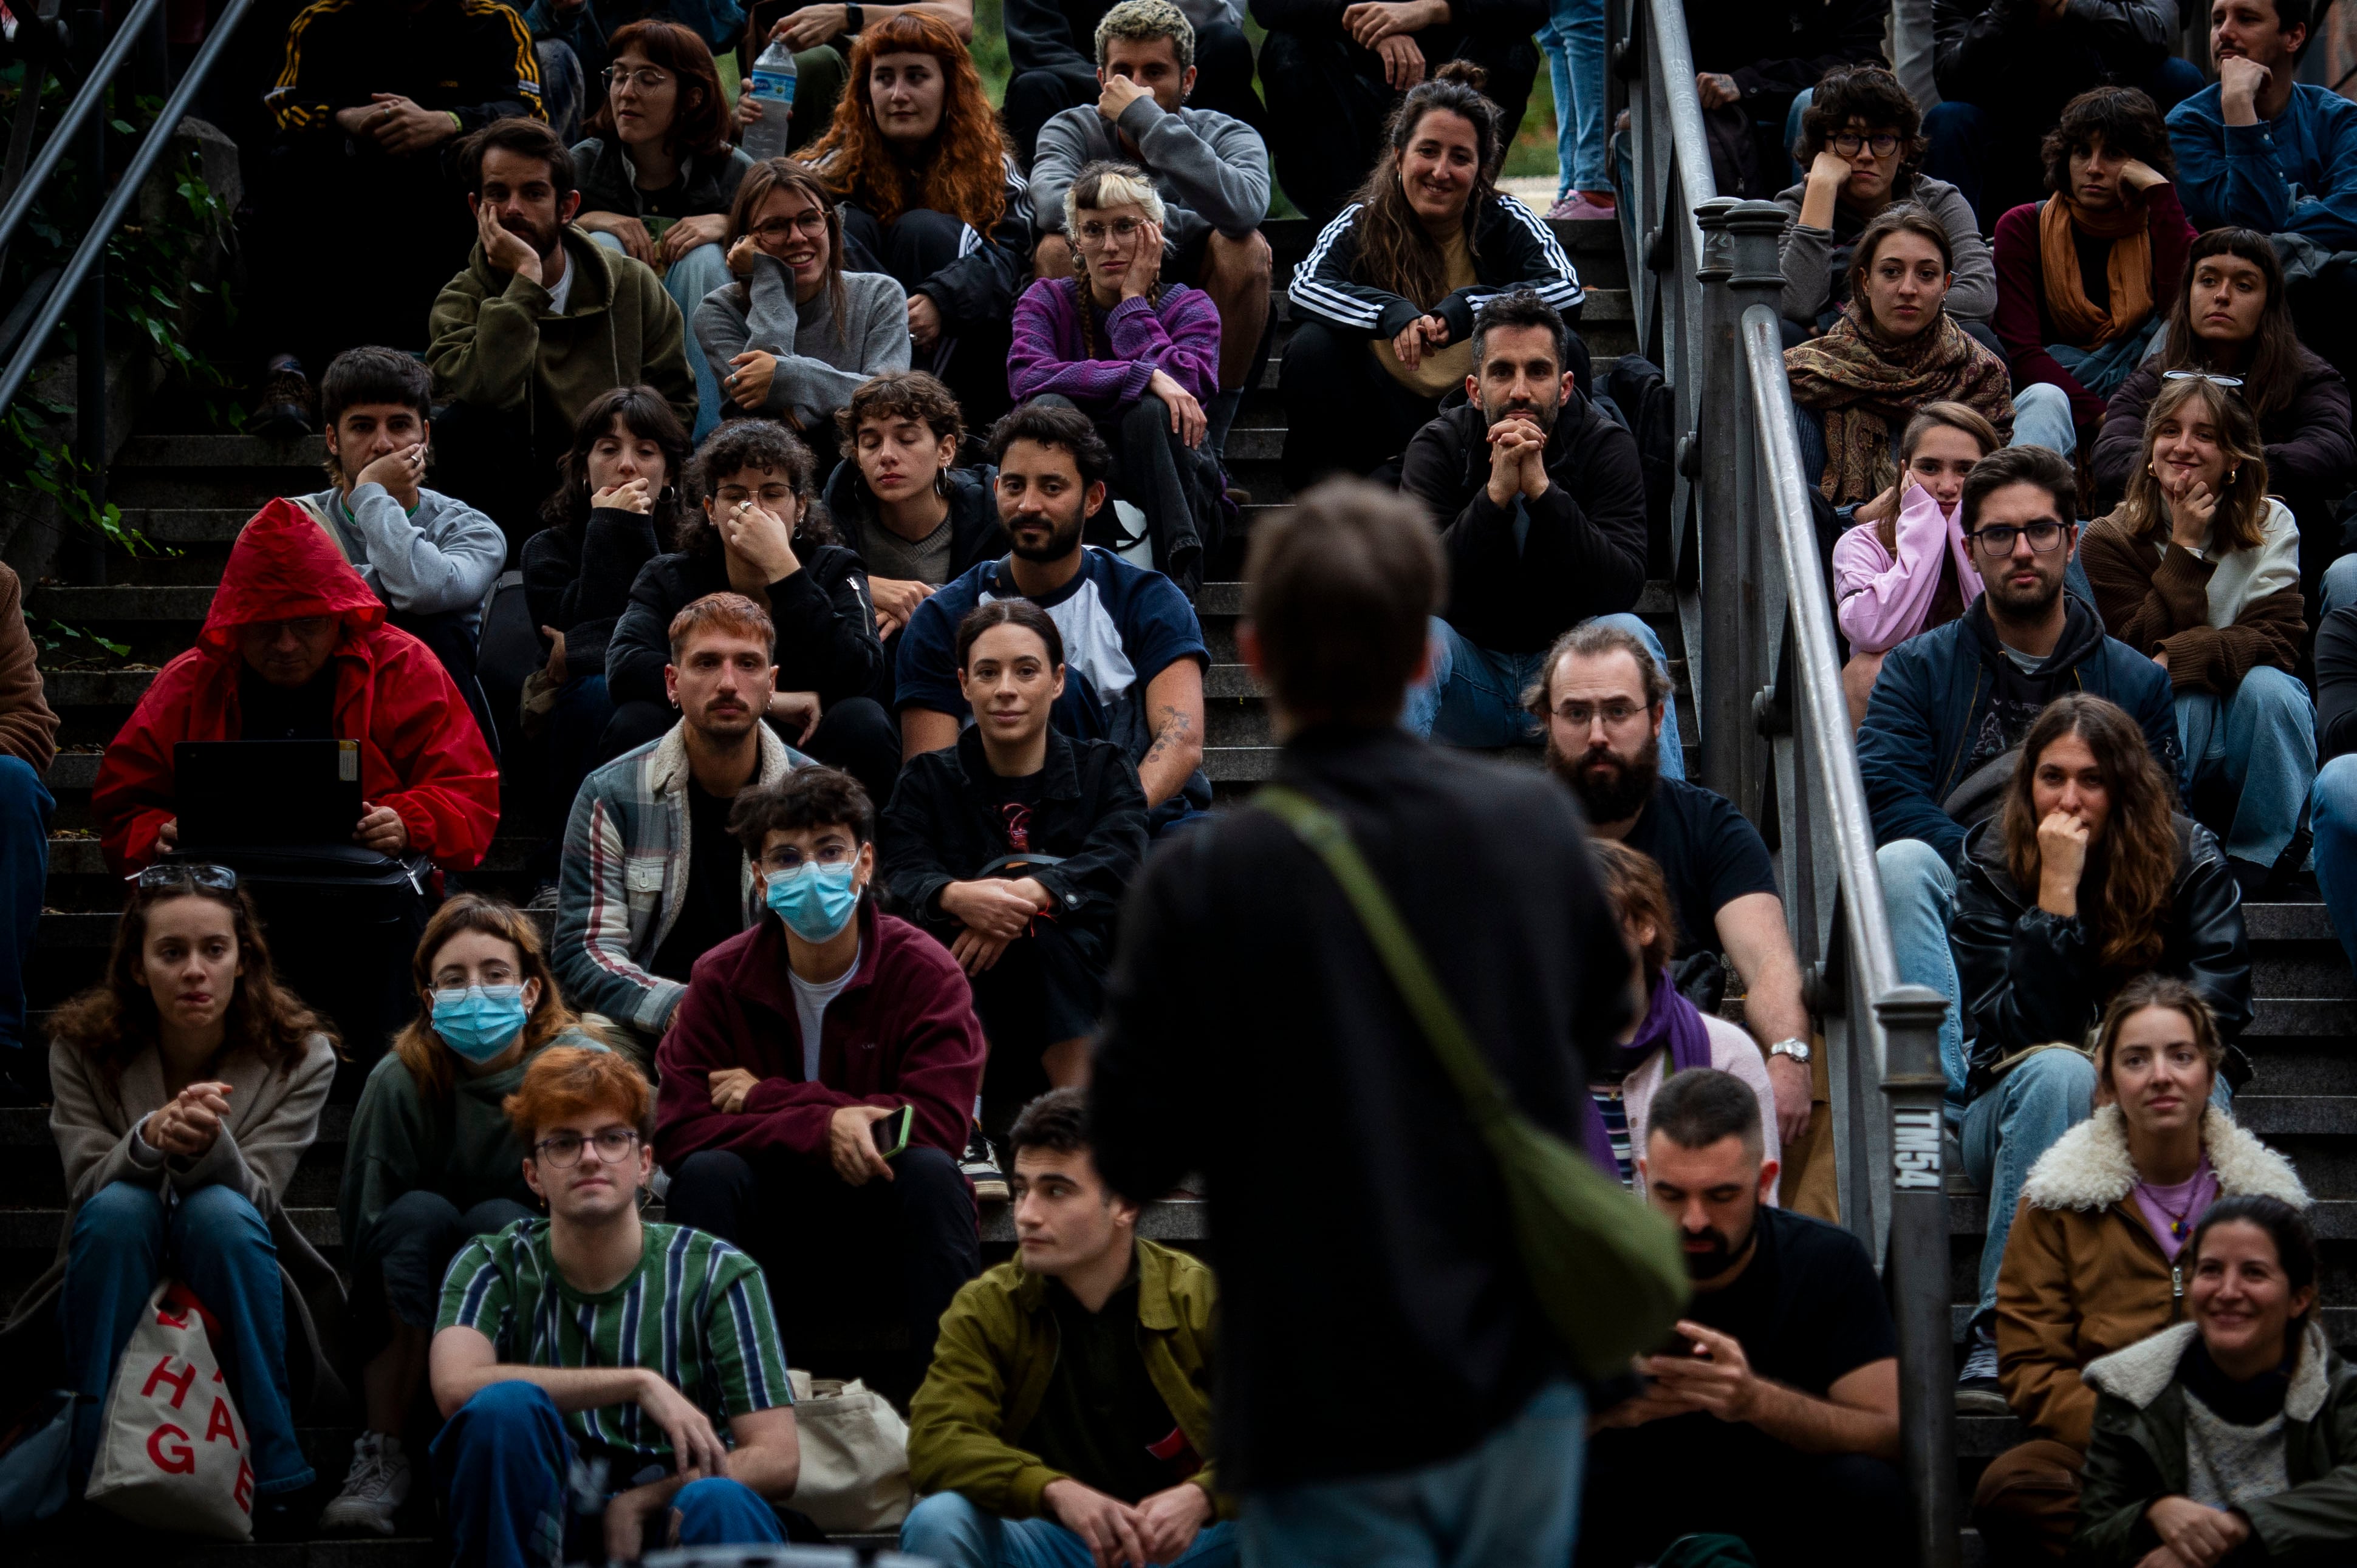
[219,878]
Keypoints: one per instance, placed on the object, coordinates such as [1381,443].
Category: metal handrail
[77,112]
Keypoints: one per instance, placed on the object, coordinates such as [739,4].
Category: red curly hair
[965,174]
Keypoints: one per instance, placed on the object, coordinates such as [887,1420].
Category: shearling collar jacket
[2084,1276]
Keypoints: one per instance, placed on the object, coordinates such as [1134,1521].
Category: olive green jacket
[994,1357]
[2137,1456]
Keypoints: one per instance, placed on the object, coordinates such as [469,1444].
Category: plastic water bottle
[774,88]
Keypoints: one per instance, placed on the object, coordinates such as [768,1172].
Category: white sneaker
[377,1485]
[980,1163]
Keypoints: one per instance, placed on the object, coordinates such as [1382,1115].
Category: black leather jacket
[2030,978]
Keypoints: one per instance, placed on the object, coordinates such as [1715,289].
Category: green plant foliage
[62,644]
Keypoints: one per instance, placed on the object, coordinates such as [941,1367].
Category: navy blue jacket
[1935,691]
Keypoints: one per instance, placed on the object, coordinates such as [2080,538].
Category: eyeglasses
[219,878]
[813,222]
[2231,382]
[790,857]
[1579,715]
[1997,537]
[564,1149]
[1120,229]
[645,78]
[1882,144]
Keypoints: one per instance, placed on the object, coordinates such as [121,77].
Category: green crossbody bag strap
[1324,834]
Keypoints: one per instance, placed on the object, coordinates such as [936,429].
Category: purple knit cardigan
[1182,338]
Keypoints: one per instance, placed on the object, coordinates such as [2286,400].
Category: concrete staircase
[192,492]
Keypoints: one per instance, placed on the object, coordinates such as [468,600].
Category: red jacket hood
[285,567]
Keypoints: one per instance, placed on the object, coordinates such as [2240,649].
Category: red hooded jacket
[421,753]
[902,1032]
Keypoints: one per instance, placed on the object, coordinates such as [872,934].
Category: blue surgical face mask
[478,1022]
[814,900]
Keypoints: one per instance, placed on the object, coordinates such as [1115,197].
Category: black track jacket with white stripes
[1512,249]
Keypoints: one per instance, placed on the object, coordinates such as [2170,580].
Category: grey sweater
[1816,259]
[443,556]
[818,367]
[1211,171]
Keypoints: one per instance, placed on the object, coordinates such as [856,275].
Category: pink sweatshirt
[1880,603]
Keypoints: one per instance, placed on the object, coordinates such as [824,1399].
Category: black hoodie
[2022,694]
[1582,554]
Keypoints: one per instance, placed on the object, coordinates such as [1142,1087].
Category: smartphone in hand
[891,1132]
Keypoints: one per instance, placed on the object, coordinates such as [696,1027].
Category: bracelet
[853,18]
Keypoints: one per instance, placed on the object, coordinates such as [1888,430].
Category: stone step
[83,606]
[220,452]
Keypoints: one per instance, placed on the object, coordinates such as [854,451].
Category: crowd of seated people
[861,497]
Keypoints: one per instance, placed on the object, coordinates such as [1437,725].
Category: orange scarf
[2128,271]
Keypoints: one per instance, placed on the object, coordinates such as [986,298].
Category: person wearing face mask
[1861,146]
[916,520]
[794,334]
[931,194]
[2097,1258]
[1014,848]
[1542,516]
[2085,276]
[1384,304]
[817,1085]
[1772,1414]
[188,1084]
[2232,1437]
[759,533]
[1140,357]
[2200,569]
[432,1159]
[1904,565]
[2086,878]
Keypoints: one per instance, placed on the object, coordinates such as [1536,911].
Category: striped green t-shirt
[696,1310]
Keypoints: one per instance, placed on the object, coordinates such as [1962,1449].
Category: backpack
[1638,390]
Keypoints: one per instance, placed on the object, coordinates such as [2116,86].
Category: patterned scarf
[2128,272]
[1867,386]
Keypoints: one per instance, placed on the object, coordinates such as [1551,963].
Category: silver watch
[1796,1049]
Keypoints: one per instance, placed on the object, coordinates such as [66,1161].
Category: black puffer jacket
[1584,553]
[577,578]
[2030,978]
[826,621]
[610,184]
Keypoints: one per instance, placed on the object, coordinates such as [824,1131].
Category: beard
[1541,415]
[1060,543]
[1721,1255]
[1613,790]
[2022,605]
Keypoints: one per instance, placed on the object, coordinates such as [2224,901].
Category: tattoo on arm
[1175,726]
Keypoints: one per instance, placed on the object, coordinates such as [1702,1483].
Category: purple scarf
[1671,1020]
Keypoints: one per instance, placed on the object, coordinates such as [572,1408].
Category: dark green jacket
[2137,1456]
[998,1350]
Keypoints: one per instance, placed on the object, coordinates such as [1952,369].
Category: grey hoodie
[1816,259]
[442,557]
[818,367]
[1211,171]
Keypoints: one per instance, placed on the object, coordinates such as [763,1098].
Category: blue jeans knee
[718,1512]
[949,1531]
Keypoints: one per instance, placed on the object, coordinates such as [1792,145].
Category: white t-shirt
[562,289]
[811,998]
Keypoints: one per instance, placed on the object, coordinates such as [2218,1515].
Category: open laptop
[265,794]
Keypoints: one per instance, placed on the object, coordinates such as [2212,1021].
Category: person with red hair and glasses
[930,196]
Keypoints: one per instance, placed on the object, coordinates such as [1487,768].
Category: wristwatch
[852,19]
[1796,1049]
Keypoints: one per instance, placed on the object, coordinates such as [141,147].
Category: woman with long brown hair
[187,1083]
[2087,877]
[657,170]
[2200,570]
[793,334]
[1384,305]
[432,1161]
[930,195]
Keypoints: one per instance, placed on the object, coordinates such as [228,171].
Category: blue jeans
[501,1464]
[1473,696]
[2007,1128]
[2041,417]
[2338,586]
[1918,899]
[947,1529]
[687,281]
[1512,1502]
[2262,743]
[25,811]
[2333,815]
[217,1244]
[2101,370]
[1573,38]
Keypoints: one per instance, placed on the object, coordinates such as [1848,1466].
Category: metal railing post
[1713,667]
[1915,1086]
[1757,278]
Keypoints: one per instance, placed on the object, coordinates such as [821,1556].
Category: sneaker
[283,412]
[1977,1392]
[980,1163]
[377,1485]
[1579,207]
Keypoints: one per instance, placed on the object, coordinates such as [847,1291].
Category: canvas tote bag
[173,1453]
[854,1476]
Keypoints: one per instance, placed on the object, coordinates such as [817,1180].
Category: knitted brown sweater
[2153,601]
[27,729]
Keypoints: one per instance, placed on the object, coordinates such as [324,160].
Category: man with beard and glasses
[1134,651]
[1603,701]
[1772,1414]
[1938,749]
[1542,515]
[538,326]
